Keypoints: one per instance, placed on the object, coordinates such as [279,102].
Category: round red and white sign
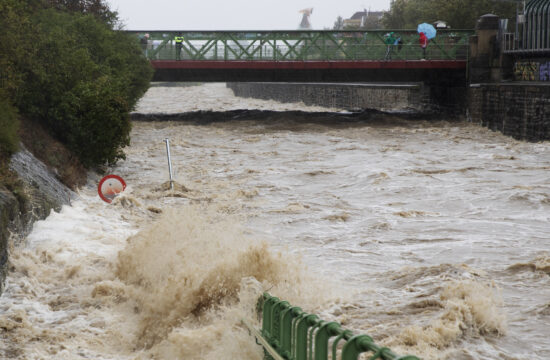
[110,186]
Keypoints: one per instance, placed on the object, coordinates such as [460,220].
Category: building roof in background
[440,24]
[360,18]
[360,14]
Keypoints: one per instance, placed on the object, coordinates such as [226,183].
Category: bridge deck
[298,65]
[439,71]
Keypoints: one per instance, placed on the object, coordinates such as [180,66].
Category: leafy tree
[84,83]
[395,17]
[97,8]
[372,23]
[338,24]
[15,45]
[63,65]
[9,124]
[16,50]
[459,14]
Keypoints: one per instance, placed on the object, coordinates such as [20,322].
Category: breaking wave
[456,311]
[540,263]
[191,280]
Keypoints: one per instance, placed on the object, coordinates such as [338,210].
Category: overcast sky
[235,14]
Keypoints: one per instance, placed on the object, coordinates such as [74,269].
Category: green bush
[96,120]
[83,83]
[9,124]
[15,44]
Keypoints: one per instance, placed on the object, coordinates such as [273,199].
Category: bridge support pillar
[484,63]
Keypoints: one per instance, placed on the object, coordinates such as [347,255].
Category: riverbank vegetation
[65,69]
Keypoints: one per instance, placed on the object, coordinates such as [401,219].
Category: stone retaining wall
[342,96]
[416,97]
[520,110]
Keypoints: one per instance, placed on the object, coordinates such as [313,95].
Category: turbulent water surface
[430,236]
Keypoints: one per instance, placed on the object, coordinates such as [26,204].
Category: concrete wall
[519,110]
[386,97]
[344,96]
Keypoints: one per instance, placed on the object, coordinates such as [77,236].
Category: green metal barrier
[325,45]
[292,334]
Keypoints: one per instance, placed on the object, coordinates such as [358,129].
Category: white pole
[167,141]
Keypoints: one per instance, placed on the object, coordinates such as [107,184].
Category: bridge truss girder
[326,45]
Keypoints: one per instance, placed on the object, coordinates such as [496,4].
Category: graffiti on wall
[526,71]
[544,71]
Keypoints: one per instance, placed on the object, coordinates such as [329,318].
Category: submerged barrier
[289,333]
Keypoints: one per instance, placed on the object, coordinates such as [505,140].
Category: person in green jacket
[390,40]
[179,45]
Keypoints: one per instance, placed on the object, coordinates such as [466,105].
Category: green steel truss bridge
[301,55]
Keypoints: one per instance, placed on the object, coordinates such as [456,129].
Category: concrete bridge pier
[484,61]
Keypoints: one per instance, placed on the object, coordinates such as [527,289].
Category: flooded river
[430,236]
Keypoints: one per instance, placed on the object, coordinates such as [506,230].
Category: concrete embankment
[413,97]
[344,96]
[39,192]
[517,109]
[520,110]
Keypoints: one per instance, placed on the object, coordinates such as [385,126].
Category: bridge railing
[511,44]
[302,45]
[292,334]
[329,53]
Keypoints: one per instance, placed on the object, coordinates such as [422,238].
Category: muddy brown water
[430,236]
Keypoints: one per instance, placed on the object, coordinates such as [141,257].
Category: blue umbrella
[427,29]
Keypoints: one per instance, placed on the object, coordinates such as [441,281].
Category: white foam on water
[210,96]
[429,236]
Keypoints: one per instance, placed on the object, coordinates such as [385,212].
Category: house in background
[440,24]
[365,19]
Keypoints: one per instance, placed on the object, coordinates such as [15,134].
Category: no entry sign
[110,186]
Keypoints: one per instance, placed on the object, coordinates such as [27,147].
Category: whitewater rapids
[430,236]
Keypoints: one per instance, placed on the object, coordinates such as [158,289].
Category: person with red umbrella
[427,32]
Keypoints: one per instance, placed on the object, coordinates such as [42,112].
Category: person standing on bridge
[144,41]
[179,45]
[423,44]
[390,41]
